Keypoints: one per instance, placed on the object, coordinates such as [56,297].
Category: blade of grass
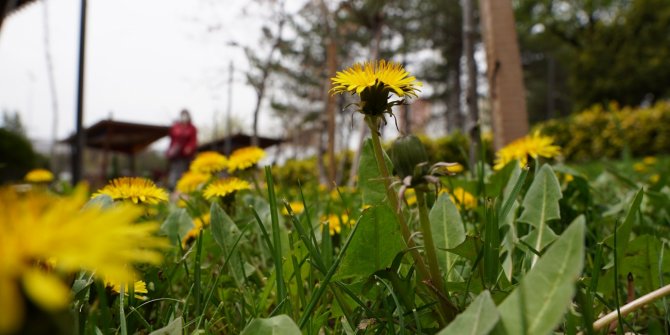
[277,250]
[324,284]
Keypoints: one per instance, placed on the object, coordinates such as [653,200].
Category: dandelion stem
[422,270]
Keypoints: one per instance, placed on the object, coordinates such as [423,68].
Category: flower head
[190,181]
[135,189]
[335,222]
[224,187]
[139,289]
[296,206]
[209,162]
[374,82]
[534,145]
[39,176]
[462,198]
[244,158]
[39,228]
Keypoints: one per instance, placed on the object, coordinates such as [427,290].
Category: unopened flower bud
[409,157]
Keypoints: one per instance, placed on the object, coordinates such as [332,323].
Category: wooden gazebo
[236,141]
[121,137]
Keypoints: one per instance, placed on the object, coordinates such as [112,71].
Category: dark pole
[80,140]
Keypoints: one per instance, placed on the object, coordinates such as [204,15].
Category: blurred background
[257,72]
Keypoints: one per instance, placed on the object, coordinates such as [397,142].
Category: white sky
[145,61]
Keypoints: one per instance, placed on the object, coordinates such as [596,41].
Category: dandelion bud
[409,157]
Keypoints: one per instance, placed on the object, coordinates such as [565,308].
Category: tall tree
[507,92]
[261,68]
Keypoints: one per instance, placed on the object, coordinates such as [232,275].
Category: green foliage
[620,130]
[16,156]
[280,324]
[478,319]
[537,305]
[589,52]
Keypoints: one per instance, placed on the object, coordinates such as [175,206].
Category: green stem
[447,308]
[393,199]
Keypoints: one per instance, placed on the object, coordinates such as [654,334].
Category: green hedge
[610,132]
[452,148]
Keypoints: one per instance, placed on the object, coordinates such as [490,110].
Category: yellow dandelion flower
[39,176]
[655,178]
[410,197]
[296,206]
[391,76]
[639,167]
[535,145]
[139,289]
[38,228]
[203,220]
[456,168]
[568,178]
[198,224]
[135,189]
[224,187]
[649,160]
[244,158]
[335,222]
[374,82]
[462,198]
[209,162]
[190,181]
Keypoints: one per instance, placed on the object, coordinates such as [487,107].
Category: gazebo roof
[125,137]
[237,141]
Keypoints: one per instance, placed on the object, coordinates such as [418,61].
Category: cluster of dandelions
[47,237]
[202,174]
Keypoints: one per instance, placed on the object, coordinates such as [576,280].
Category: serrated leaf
[540,205]
[177,224]
[447,228]
[276,325]
[226,233]
[370,181]
[538,304]
[375,244]
[478,319]
[173,328]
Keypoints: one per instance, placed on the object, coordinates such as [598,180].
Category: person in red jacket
[183,144]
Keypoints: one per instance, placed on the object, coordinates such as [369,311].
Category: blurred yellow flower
[655,178]
[534,145]
[649,160]
[461,197]
[190,181]
[296,206]
[335,222]
[385,76]
[410,197]
[568,178]
[224,187]
[135,189]
[39,176]
[209,162]
[38,228]
[456,168]
[639,167]
[244,158]
[139,289]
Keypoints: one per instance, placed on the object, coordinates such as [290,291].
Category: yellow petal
[46,290]
[12,306]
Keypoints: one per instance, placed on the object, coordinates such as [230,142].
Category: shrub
[17,156]
[608,133]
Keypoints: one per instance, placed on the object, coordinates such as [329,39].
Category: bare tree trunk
[471,99]
[52,88]
[265,73]
[454,117]
[508,98]
[331,66]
